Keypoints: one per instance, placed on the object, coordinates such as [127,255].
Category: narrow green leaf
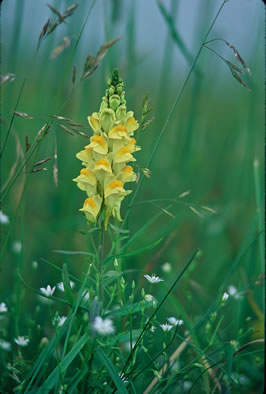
[54,377]
[134,252]
[130,309]
[66,282]
[112,371]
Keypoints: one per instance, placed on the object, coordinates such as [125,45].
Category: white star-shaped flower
[4,345]
[3,307]
[153,279]
[225,296]
[148,297]
[22,341]
[166,327]
[103,326]
[61,287]
[175,322]
[48,291]
[4,219]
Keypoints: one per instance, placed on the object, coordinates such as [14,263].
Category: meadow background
[209,147]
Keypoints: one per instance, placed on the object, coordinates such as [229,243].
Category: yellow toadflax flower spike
[105,158]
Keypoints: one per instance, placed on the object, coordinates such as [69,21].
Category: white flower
[3,307]
[225,296]
[17,246]
[103,326]
[153,278]
[175,322]
[232,290]
[62,320]
[166,267]
[4,219]
[4,345]
[152,329]
[48,291]
[61,287]
[22,341]
[166,327]
[59,320]
[148,297]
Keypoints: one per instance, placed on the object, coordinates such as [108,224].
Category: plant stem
[171,112]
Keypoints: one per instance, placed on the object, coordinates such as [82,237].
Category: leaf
[134,252]
[66,282]
[118,229]
[130,309]
[112,371]
[73,252]
[38,369]
[54,377]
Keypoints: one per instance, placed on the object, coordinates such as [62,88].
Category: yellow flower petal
[131,124]
[99,144]
[91,208]
[127,174]
[85,155]
[132,145]
[94,123]
[118,132]
[116,186]
[104,165]
[123,155]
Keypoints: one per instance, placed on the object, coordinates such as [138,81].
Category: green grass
[206,138]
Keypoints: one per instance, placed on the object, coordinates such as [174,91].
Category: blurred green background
[209,145]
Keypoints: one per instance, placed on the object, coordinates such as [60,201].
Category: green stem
[178,97]
[101,258]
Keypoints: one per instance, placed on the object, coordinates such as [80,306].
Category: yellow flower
[123,155]
[131,123]
[86,156]
[114,193]
[105,158]
[94,123]
[99,144]
[87,181]
[127,174]
[107,119]
[132,145]
[91,208]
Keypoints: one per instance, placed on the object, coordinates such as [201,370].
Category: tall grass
[195,217]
